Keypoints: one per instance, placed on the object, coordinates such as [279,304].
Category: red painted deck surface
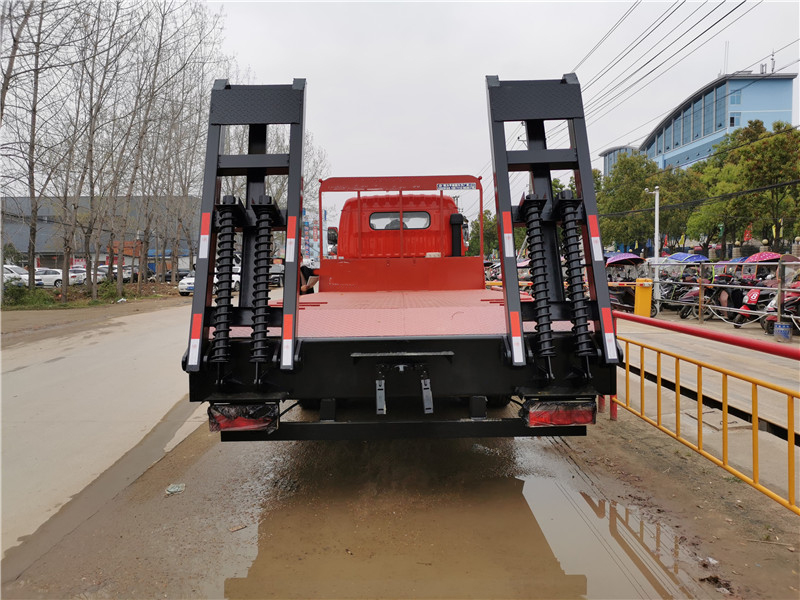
[401,314]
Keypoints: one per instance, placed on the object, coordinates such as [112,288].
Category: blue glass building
[688,134]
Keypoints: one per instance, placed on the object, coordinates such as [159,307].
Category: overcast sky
[400,88]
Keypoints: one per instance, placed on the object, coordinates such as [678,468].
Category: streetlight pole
[656,241]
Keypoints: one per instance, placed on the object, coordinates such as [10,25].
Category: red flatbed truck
[403,339]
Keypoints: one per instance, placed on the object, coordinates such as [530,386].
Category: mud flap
[243,417]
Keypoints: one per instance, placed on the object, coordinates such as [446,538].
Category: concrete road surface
[73,405]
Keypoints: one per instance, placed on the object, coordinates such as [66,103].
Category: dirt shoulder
[748,544]
[24,326]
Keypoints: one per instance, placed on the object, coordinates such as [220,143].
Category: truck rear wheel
[497,401]
[309,404]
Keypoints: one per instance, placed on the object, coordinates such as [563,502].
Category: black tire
[769,327]
[653,310]
[57,283]
[309,404]
[497,401]
[686,312]
[184,293]
[235,286]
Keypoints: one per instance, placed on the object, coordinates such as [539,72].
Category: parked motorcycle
[790,309]
[753,306]
[624,298]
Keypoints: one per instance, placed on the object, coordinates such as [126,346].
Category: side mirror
[333,235]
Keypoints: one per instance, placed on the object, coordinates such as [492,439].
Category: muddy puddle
[456,519]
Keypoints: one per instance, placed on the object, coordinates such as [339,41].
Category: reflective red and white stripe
[610,342]
[508,236]
[291,239]
[287,347]
[205,235]
[594,236]
[194,339]
[517,356]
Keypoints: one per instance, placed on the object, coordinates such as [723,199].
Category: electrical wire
[662,115]
[709,200]
[608,33]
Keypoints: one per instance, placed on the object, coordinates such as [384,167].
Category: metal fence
[722,405]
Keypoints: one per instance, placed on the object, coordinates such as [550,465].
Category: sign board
[455,186]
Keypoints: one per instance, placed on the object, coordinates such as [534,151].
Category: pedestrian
[308,279]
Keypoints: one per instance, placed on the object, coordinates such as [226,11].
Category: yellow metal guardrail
[721,451]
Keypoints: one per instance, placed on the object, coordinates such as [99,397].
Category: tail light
[559,412]
[243,417]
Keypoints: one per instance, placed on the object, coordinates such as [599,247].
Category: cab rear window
[381,221]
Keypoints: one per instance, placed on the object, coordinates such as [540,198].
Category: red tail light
[244,417]
[561,412]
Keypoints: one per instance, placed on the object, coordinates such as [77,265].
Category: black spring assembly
[572,253]
[541,292]
[226,232]
[260,349]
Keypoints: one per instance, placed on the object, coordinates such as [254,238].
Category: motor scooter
[754,305]
[790,309]
[624,298]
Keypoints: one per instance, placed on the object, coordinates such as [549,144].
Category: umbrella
[686,257]
[624,258]
[738,260]
[763,257]
[523,263]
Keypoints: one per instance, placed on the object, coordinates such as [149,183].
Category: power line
[709,200]
[608,33]
[662,115]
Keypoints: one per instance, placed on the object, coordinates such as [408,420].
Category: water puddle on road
[458,521]
[619,554]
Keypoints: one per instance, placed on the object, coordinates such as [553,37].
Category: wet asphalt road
[405,518]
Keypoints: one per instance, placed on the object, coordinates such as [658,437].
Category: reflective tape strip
[194,339]
[205,235]
[517,356]
[607,322]
[594,235]
[291,239]
[508,236]
[288,343]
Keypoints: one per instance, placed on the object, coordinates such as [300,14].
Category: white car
[14,275]
[54,277]
[186,285]
[80,275]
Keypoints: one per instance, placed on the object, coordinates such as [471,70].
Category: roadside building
[690,131]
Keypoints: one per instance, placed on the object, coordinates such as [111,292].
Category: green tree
[623,192]
[772,160]
[490,239]
[489,235]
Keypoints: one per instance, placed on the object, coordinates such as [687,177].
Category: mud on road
[425,519]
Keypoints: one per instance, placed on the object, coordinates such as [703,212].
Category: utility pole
[656,243]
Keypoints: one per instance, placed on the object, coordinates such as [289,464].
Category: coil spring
[572,253]
[263,252]
[541,292]
[220,350]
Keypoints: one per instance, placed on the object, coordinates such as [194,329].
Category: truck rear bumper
[506,427]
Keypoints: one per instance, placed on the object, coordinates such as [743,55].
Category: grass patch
[21,296]
[80,296]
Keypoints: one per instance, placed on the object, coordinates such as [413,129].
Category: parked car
[102,273]
[14,275]
[167,277]
[55,277]
[276,275]
[80,275]
[186,285]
